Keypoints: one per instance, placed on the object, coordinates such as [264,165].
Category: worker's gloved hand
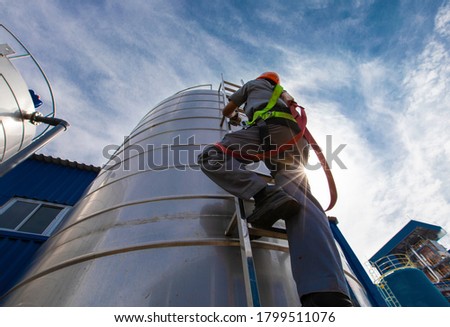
[235,120]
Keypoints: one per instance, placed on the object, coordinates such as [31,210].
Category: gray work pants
[315,260]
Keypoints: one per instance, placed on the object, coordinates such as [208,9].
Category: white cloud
[363,209]
[442,21]
[423,130]
[108,68]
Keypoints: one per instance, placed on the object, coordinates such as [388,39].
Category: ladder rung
[231,225]
[247,233]
[268,232]
[230,89]
[272,232]
[232,84]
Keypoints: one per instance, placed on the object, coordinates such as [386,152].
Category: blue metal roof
[47,179]
[41,178]
[410,234]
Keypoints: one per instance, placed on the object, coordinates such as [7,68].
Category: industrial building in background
[35,197]
[149,229]
[414,266]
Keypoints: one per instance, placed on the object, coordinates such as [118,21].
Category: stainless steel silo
[150,229]
[15,103]
[19,137]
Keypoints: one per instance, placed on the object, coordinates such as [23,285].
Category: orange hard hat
[270,76]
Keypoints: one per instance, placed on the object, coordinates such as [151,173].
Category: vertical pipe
[60,125]
[374,295]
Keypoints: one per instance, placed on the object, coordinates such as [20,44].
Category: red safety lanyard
[301,119]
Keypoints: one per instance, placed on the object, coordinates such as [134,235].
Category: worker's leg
[326,299]
[229,172]
[315,260]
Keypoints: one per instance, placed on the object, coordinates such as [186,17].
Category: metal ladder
[226,89]
[246,233]
[245,230]
[387,294]
[384,289]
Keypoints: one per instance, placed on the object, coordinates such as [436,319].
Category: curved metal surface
[27,54]
[15,102]
[19,136]
[150,229]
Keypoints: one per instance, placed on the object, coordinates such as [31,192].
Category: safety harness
[259,118]
[267,112]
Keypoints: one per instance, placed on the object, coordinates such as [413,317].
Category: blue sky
[373,74]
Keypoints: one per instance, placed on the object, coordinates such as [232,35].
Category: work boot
[326,299]
[272,204]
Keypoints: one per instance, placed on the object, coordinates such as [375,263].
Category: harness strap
[260,117]
[264,135]
[276,114]
[301,121]
[300,118]
[326,168]
[272,102]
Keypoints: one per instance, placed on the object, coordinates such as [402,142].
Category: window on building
[31,216]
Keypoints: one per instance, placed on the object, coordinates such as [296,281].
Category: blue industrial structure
[414,267]
[413,232]
[39,182]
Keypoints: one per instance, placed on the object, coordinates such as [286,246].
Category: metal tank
[150,229]
[402,283]
[412,288]
[19,137]
[15,103]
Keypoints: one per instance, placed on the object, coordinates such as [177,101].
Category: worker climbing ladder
[245,230]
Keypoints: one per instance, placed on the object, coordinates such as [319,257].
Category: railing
[52,111]
[444,285]
[195,87]
[48,118]
[389,264]
[386,266]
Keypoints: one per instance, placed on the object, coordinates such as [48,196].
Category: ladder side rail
[248,263]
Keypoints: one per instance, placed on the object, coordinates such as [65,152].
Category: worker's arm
[230,109]
[230,112]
